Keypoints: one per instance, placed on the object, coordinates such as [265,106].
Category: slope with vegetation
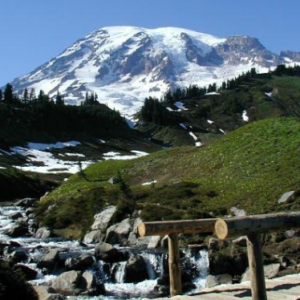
[249,168]
[209,112]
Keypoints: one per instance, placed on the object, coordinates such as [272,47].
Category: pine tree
[1,95]
[59,99]
[25,96]
[8,94]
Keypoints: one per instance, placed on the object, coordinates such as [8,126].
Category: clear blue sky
[34,31]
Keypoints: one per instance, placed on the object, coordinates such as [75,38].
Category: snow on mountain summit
[124,64]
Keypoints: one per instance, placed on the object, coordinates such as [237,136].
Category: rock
[108,253]
[49,260]
[89,284]
[136,270]
[47,293]
[43,233]
[287,197]
[154,242]
[26,202]
[102,219]
[95,236]
[81,262]
[212,281]
[119,232]
[14,244]
[241,241]
[132,239]
[237,212]
[18,255]
[29,211]
[290,233]
[143,241]
[30,274]
[18,230]
[136,223]
[164,242]
[68,283]
[16,215]
[270,271]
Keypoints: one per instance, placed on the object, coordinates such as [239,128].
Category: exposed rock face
[108,253]
[287,197]
[95,236]
[212,281]
[111,60]
[26,202]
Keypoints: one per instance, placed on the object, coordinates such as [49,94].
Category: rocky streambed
[97,267]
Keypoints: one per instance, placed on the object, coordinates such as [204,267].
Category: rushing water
[115,286]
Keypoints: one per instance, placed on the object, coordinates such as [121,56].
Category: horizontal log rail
[163,228]
[230,228]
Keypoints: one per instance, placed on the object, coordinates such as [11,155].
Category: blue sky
[34,31]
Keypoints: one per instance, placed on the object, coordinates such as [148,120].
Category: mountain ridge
[125,64]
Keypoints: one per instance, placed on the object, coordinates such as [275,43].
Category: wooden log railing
[252,227]
[172,229]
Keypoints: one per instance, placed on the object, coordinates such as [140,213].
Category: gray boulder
[95,236]
[18,255]
[287,197]
[49,260]
[47,293]
[270,271]
[119,232]
[154,242]
[81,262]
[43,233]
[102,219]
[68,283]
[212,281]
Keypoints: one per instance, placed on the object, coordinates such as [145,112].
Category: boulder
[237,212]
[287,197]
[95,236]
[18,255]
[29,273]
[26,202]
[154,242]
[47,293]
[17,230]
[136,223]
[102,219]
[68,283]
[136,270]
[81,262]
[43,233]
[270,271]
[132,239]
[16,215]
[90,286]
[212,281]
[49,260]
[119,232]
[108,253]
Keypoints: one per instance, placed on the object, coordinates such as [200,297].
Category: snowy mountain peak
[124,64]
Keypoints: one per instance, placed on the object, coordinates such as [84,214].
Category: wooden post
[255,258]
[174,265]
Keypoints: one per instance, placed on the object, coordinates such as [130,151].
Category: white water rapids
[116,288]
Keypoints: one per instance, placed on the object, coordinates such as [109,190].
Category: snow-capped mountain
[123,65]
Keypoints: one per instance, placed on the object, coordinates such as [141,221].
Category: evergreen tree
[1,95]
[8,94]
[59,99]
[25,96]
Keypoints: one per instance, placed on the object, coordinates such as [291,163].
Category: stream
[114,279]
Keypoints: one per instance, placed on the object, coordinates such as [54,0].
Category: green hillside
[249,168]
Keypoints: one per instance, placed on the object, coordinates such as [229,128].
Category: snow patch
[245,116]
[180,105]
[183,126]
[210,121]
[193,136]
[150,182]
